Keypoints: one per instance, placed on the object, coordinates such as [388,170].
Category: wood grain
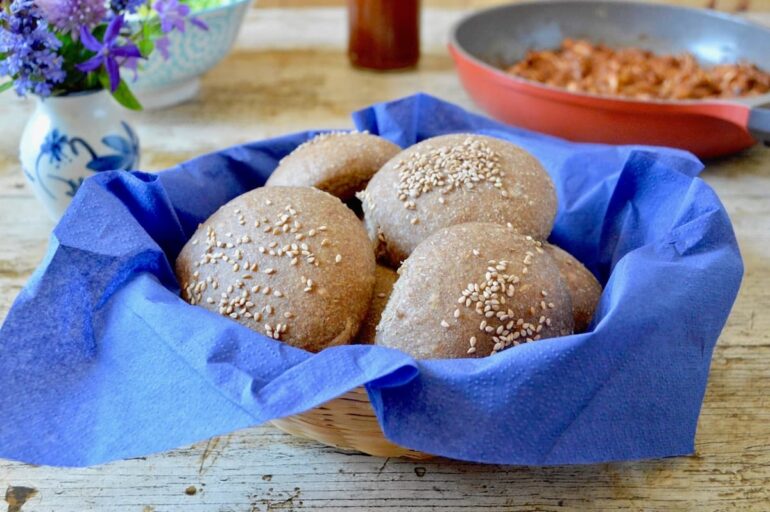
[272,84]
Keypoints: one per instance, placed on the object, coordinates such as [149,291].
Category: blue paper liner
[102,360]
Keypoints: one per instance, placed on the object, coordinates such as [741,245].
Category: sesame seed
[338,258]
[269,271]
[444,323]
[457,313]
[471,350]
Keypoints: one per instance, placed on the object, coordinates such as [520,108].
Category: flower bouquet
[59,47]
[69,54]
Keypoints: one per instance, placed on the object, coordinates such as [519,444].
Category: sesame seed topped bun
[293,263]
[453,179]
[472,290]
[340,163]
[583,287]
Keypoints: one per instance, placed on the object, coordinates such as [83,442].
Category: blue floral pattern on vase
[58,148]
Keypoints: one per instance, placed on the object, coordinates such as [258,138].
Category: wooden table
[283,77]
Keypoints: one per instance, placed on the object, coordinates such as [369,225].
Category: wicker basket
[347,422]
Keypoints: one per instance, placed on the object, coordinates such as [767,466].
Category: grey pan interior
[502,35]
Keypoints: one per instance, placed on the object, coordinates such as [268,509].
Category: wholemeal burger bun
[292,263]
[340,163]
[384,279]
[454,179]
[583,287]
[474,289]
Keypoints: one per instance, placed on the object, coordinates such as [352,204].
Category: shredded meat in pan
[581,66]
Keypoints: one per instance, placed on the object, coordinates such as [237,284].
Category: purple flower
[172,16]
[132,64]
[69,15]
[107,51]
[162,44]
[29,50]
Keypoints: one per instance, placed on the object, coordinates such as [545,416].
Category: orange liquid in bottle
[384,34]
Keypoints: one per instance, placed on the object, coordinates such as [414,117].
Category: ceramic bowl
[163,83]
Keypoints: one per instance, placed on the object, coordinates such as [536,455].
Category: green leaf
[6,86]
[146,47]
[122,94]
[125,97]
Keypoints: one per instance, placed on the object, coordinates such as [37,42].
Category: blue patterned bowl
[162,83]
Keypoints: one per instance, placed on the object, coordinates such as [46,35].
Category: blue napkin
[100,359]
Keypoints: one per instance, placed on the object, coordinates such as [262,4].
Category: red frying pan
[487,40]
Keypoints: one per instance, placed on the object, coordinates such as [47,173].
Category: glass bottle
[384,34]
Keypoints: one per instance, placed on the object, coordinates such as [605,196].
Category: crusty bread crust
[584,289]
[453,179]
[474,289]
[340,163]
[293,263]
[384,279]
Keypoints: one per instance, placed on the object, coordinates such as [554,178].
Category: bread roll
[290,262]
[583,287]
[472,290]
[341,163]
[384,279]
[454,179]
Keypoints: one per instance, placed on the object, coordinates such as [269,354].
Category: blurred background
[724,5]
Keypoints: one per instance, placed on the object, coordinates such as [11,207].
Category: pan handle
[759,123]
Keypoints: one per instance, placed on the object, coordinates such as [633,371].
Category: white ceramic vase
[69,138]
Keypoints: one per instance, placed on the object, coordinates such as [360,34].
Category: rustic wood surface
[285,77]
